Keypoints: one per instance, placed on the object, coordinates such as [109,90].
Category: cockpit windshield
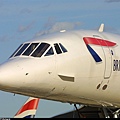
[22,49]
[33,49]
[38,49]
[30,49]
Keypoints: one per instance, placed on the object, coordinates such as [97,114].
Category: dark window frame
[40,50]
[30,49]
[22,49]
[63,48]
[50,52]
[57,48]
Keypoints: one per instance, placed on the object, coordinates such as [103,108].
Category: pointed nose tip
[5,77]
[3,80]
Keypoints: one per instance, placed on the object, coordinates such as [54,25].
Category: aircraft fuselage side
[87,73]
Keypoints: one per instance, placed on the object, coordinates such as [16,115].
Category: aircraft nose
[9,76]
[5,77]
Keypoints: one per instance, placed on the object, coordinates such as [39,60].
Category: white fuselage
[73,76]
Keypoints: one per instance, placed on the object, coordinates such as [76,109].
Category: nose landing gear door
[108,62]
[107,57]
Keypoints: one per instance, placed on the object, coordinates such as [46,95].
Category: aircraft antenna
[101,29]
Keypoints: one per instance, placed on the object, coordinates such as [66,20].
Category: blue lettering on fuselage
[116,65]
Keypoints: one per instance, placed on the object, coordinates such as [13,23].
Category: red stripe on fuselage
[97,41]
[31,105]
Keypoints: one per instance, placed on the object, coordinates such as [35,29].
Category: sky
[22,20]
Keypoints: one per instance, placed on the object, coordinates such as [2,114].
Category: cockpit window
[30,49]
[50,52]
[40,50]
[62,47]
[22,49]
[57,48]
[16,51]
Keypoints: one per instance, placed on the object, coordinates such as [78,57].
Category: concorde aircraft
[76,67]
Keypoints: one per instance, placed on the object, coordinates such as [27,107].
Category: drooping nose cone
[10,75]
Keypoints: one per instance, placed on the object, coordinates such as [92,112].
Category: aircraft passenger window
[40,50]
[22,49]
[57,48]
[16,51]
[30,49]
[62,47]
[50,52]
